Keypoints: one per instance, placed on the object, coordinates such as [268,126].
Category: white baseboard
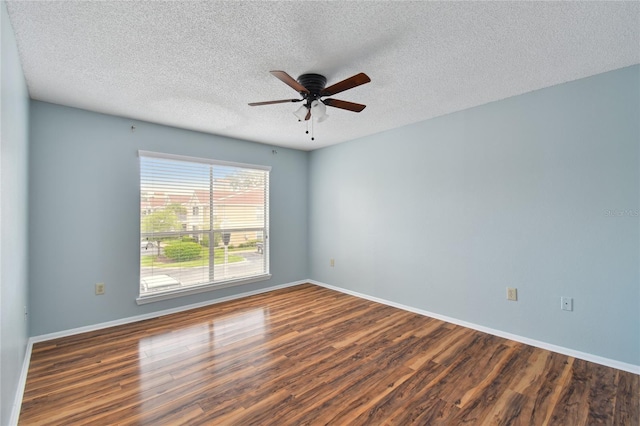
[631,368]
[15,413]
[22,381]
[122,321]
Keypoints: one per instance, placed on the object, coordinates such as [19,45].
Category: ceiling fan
[312,89]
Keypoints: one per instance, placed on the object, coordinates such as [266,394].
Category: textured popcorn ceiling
[196,65]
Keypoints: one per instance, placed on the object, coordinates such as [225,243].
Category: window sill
[172,294]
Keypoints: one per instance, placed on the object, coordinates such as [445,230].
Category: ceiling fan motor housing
[314,83]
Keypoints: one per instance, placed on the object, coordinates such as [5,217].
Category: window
[223,242]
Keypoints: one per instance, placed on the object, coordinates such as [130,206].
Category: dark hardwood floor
[309,355]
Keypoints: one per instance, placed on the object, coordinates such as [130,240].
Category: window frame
[207,286]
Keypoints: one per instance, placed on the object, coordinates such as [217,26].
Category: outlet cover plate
[100,288]
[566,303]
[512,293]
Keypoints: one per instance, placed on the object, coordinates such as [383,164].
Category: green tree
[243,181]
[160,221]
[164,220]
[177,209]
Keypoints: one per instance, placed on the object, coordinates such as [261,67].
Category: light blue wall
[84,221]
[14,110]
[539,192]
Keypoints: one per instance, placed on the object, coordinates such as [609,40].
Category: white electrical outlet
[100,288]
[512,294]
[332,263]
[566,303]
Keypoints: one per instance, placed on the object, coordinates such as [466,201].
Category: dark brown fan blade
[308,116]
[287,79]
[347,84]
[336,103]
[274,102]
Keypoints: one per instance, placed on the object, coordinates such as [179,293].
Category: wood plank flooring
[309,355]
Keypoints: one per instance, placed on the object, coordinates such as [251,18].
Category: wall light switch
[512,293]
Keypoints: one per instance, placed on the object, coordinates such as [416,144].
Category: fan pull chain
[307,132]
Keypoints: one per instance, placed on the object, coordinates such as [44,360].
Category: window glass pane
[174,195]
[187,208]
[239,198]
[244,256]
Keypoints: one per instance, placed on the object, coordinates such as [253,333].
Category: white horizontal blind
[202,222]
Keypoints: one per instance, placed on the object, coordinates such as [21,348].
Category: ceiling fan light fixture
[301,113]
[319,111]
